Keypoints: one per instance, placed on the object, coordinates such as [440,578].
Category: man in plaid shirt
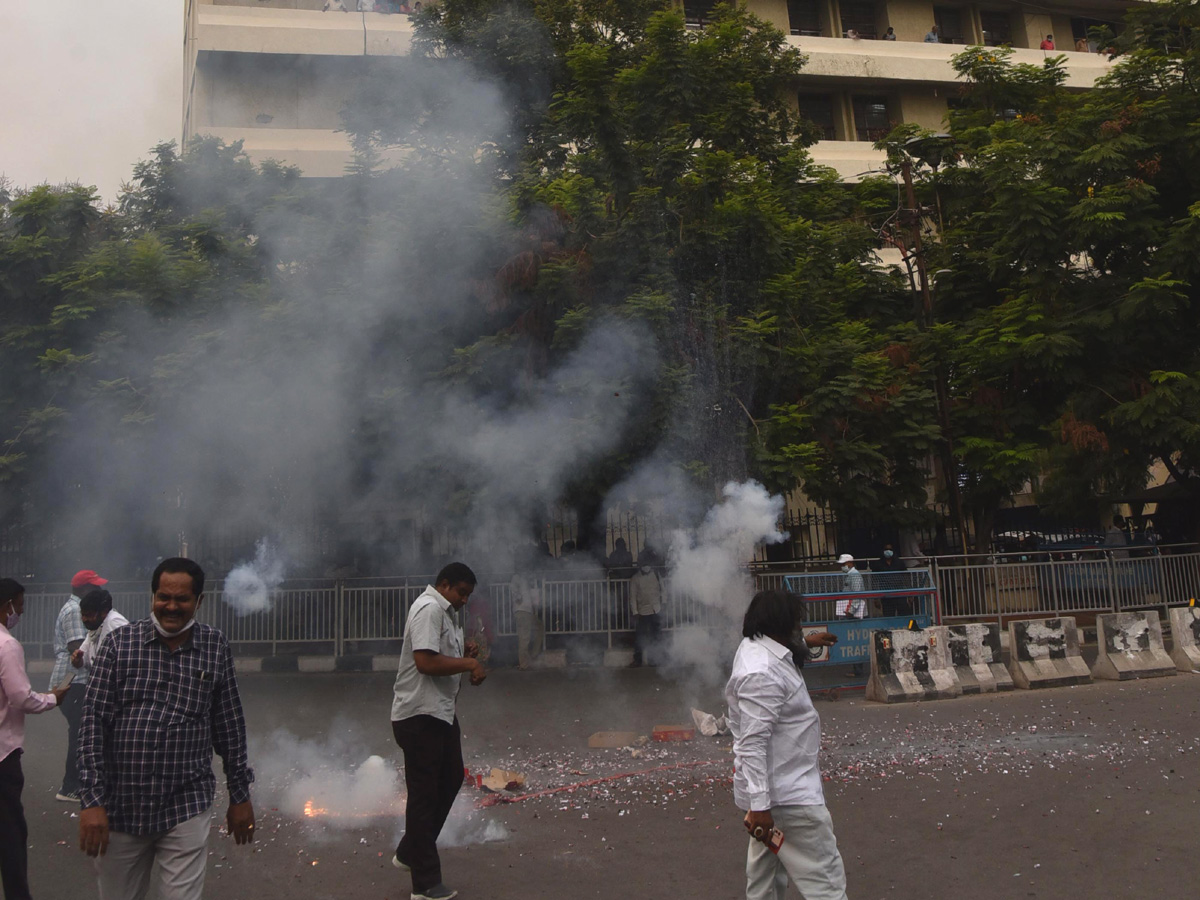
[161,697]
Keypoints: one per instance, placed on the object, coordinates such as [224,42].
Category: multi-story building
[275,73]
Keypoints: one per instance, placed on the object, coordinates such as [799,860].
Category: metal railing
[340,616]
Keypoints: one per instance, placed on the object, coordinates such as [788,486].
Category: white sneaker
[437,892]
[399,865]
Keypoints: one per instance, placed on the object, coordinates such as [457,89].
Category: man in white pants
[777,734]
[161,698]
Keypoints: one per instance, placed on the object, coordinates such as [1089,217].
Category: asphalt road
[1087,791]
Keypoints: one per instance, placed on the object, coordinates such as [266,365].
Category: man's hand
[471,649]
[240,821]
[93,831]
[77,659]
[478,673]
[59,693]
[820,639]
[759,824]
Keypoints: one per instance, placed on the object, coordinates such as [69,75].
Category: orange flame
[310,810]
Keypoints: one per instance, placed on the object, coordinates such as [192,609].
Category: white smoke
[249,585]
[710,563]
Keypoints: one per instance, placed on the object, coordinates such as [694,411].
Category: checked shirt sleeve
[95,726]
[229,729]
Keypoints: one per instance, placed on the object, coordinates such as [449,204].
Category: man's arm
[229,741]
[15,682]
[425,627]
[99,704]
[759,699]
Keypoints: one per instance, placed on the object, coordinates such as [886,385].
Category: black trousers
[647,633]
[433,773]
[14,834]
[72,708]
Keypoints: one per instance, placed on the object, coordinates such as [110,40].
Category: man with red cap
[69,632]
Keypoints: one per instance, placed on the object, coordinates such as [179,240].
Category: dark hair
[456,573]
[772,614]
[96,601]
[179,564]
[10,589]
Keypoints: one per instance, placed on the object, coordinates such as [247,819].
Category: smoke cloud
[248,586]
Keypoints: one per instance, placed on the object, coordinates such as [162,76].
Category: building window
[860,17]
[818,109]
[804,17]
[949,21]
[871,120]
[997,27]
[698,12]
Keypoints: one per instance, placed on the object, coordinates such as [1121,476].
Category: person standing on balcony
[1048,43]
[433,659]
[161,698]
[890,34]
[931,36]
[645,603]
[69,633]
[17,699]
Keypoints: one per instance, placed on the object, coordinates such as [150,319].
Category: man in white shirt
[645,604]
[852,583]
[526,593]
[100,619]
[432,659]
[777,736]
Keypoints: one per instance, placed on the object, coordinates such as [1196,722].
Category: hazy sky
[87,88]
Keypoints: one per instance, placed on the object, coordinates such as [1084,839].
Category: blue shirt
[152,718]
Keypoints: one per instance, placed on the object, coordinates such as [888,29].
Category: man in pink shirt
[16,699]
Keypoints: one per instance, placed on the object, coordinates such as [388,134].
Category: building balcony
[245,29]
[908,61]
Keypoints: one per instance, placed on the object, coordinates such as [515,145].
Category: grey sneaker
[437,892]
[66,798]
[403,867]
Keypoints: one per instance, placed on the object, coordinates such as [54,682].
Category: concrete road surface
[1078,792]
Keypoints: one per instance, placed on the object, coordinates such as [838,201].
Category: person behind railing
[1116,537]
[335,5]
[1048,43]
[526,593]
[931,36]
[890,34]
[890,562]
[645,603]
[620,561]
[852,583]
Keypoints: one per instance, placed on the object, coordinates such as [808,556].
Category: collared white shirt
[776,729]
[852,583]
[429,627]
[91,643]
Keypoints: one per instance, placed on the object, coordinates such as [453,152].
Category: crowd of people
[148,703]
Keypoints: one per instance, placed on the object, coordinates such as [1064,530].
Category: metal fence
[337,617]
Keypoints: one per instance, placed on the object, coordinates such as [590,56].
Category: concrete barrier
[975,655]
[1130,645]
[1045,653]
[1185,638]
[911,665]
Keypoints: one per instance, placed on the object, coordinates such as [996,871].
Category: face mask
[646,569]
[168,634]
[887,554]
[11,620]
[845,568]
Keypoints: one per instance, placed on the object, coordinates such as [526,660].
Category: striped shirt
[152,718]
[68,627]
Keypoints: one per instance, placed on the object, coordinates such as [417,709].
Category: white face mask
[167,634]
[887,554]
[647,569]
[11,620]
[845,568]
